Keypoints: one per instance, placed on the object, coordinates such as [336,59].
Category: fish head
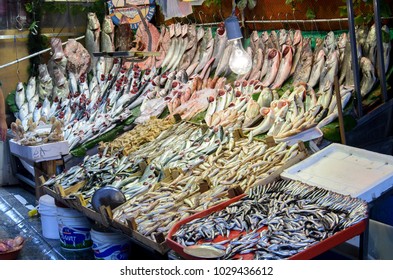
[252,109]
[265,36]
[19,87]
[254,36]
[273,35]
[209,34]
[297,38]
[329,39]
[32,81]
[366,64]
[107,25]
[342,40]
[184,30]
[93,22]
[192,30]
[43,70]
[282,36]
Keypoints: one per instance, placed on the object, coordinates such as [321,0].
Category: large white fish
[45,108]
[20,95]
[31,88]
[32,103]
[23,111]
[37,114]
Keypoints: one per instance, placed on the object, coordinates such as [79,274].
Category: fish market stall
[172,176]
[194,129]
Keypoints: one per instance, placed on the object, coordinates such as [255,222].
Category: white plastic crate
[346,170]
[45,152]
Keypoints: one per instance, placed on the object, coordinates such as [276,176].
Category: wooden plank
[44,169]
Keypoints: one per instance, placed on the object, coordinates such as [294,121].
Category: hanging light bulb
[240,61]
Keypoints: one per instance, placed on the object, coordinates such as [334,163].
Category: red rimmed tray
[309,253]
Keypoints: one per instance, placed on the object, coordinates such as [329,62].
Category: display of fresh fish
[257,62]
[303,69]
[32,103]
[191,48]
[386,45]
[220,43]
[23,111]
[368,79]
[265,124]
[346,72]
[107,41]
[223,66]
[100,71]
[316,70]
[330,69]
[37,114]
[92,37]
[31,88]
[282,37]
[371,45]
[142,41]
[273,37]
[341,44]
[205,50]
[329,43]
[20,96]
[361,32]
[274,58]
[298,49]
[285,67]
[254,41]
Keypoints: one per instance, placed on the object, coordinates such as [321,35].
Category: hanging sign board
[121,12]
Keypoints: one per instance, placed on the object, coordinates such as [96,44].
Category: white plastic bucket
[48,212]
[110,245]
[74,229]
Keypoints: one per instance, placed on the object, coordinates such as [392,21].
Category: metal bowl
[107,196]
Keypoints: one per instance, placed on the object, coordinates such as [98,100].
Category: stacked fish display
[191,76]
[237,164]
[274,221]
[182,146]
[37,135]
[142,133]
[88,108]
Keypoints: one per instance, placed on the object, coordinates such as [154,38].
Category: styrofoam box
[345,170]
[44,152]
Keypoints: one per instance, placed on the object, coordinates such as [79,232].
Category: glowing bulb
[240,61]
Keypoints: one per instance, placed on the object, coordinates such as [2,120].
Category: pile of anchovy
[275,221]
